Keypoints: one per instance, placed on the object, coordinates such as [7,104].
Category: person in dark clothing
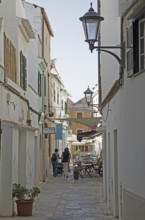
[54,161]
[65,161]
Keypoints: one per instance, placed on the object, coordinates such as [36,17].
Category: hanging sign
[58,135]
[49,130]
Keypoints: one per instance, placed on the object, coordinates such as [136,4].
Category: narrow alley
[69,199]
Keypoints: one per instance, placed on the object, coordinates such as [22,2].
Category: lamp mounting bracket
[107,50]
[113,54]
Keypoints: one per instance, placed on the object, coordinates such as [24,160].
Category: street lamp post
[91,24]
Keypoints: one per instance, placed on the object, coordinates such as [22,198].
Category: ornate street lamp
[91,23]
[88,96]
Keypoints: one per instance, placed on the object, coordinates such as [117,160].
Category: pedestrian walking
[66,160]
[54,161]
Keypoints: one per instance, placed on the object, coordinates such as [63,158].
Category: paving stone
[67,199]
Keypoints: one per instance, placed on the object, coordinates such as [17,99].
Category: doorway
[116,191]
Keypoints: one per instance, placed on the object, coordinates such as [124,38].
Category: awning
[91,134]
[86,134]
[82,143]
[89,122]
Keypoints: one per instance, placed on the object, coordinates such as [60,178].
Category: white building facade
[18,115]
[39,67]
[59,107]
[24,58]
[123,136]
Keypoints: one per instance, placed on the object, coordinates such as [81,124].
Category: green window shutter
[62,105]
[44,85]
[39,83]
[25,73]
[21,69]
[65,107]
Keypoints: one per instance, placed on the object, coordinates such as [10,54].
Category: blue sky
[76,65]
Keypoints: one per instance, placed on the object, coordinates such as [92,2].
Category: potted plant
[76,170]
[24,198]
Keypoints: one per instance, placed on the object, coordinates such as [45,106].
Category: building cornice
[115,88]
[47,21]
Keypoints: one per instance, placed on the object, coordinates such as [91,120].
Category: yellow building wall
[75,126]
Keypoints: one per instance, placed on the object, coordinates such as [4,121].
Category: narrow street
[69,199]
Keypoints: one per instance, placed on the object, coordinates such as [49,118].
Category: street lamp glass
[91,22]
[88,96]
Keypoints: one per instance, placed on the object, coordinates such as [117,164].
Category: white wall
[125,114]
[11,9]
[110,36]
[18,139]
[6,171]
[33,15]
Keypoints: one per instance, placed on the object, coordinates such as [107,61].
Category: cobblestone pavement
[69,199]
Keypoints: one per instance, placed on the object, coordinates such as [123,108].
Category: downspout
[99,64]
[43,136]
[122,52]
[42,35]
[43,102]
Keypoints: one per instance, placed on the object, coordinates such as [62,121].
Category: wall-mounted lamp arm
[113,54]
[105,49]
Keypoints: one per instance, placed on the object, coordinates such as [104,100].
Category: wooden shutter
[44,85]
[136,46]
[129,50]
[39,83]
[21,69]
[25,73]
[66,110]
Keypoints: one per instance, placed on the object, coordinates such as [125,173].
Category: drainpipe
[43,137]
[0,137]
[99,64]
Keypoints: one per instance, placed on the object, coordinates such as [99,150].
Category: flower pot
[24,207]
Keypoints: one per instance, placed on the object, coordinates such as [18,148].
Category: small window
[136,47]
[79,131]
[79,114]
[86,148]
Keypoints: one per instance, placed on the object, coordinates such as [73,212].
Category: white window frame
[140,39]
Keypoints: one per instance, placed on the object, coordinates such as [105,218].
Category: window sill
[137,74]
